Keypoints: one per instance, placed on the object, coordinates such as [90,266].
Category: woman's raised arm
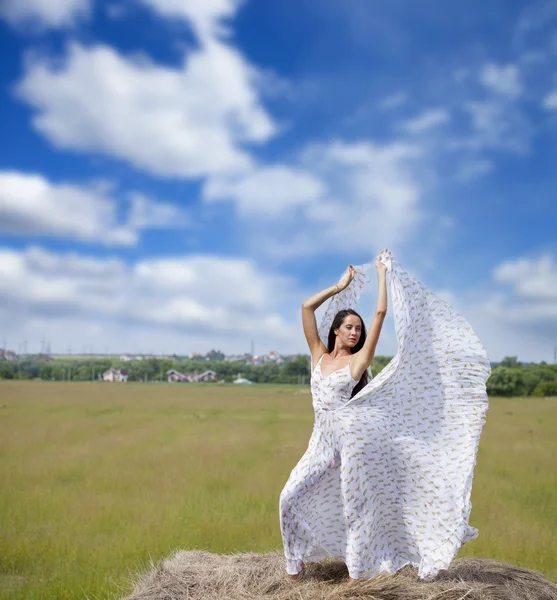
[362,359]
[316,346]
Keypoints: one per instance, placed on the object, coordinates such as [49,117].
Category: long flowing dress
[387,475]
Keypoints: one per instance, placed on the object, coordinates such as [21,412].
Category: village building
[8,355]
[130,357]
[174,376]
[120,375]
[43,358]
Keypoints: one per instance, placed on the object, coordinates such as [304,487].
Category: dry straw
[197,575]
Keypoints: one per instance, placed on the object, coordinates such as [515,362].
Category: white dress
[387,476]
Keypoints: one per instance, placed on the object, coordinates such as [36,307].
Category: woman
[387,475]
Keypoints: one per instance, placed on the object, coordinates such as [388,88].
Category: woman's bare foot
[297,575]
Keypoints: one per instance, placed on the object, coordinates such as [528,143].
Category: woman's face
[350,331]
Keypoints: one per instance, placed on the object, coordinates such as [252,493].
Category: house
[177,377]
[8,355]
[174,376]
[130,357]
[206,376]
[43,358]
[115,375]
[274,356]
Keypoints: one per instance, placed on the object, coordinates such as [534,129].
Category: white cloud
[31,205]
[209,297]
[504,334]
[372,200]
[535,16]
[337,198]
[515,314]
[205,16]
[518,317]
[533,279]
[474,169]
[373,184]
[496,124]
[550,101]
[502,80]
[146,213]
[115,11]
[186,122]
[429,119]
[44,13]
[268,191]
[393,101]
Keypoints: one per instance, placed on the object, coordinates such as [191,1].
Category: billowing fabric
[387,476]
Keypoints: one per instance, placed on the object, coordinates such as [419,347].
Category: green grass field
[99,478]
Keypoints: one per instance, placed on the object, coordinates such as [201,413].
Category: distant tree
[379,363]
[7,371]
[546,388]
[511,362]
[505,382]
[45,371]
[536,374]
[298,366]
[215,355]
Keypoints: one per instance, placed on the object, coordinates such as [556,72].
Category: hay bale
[198,575]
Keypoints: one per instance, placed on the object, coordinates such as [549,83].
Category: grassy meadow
[98,478]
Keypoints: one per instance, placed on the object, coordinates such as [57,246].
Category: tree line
[296,371]
[508,378]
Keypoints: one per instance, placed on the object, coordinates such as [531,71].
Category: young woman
[387,475]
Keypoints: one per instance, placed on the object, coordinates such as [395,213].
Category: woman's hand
[379,265]
[345,280]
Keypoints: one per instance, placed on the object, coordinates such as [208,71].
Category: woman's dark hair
[337,322]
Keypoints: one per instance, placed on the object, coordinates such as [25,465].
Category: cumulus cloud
[429,119]
[206,17]
[202,295]
[372,185]
[533,279]
[550,101]
[44,13]
[393,101]
[517,316]
[184,122]
[496,124]
[31,205]
[371,198]
[503,80]
[338,197]
[497,120]
[267,191]
[473,169]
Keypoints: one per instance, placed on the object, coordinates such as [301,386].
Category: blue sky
[178,175]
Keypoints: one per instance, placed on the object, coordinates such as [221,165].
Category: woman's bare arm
[361,360]
[316,346]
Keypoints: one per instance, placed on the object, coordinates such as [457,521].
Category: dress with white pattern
[387,476]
